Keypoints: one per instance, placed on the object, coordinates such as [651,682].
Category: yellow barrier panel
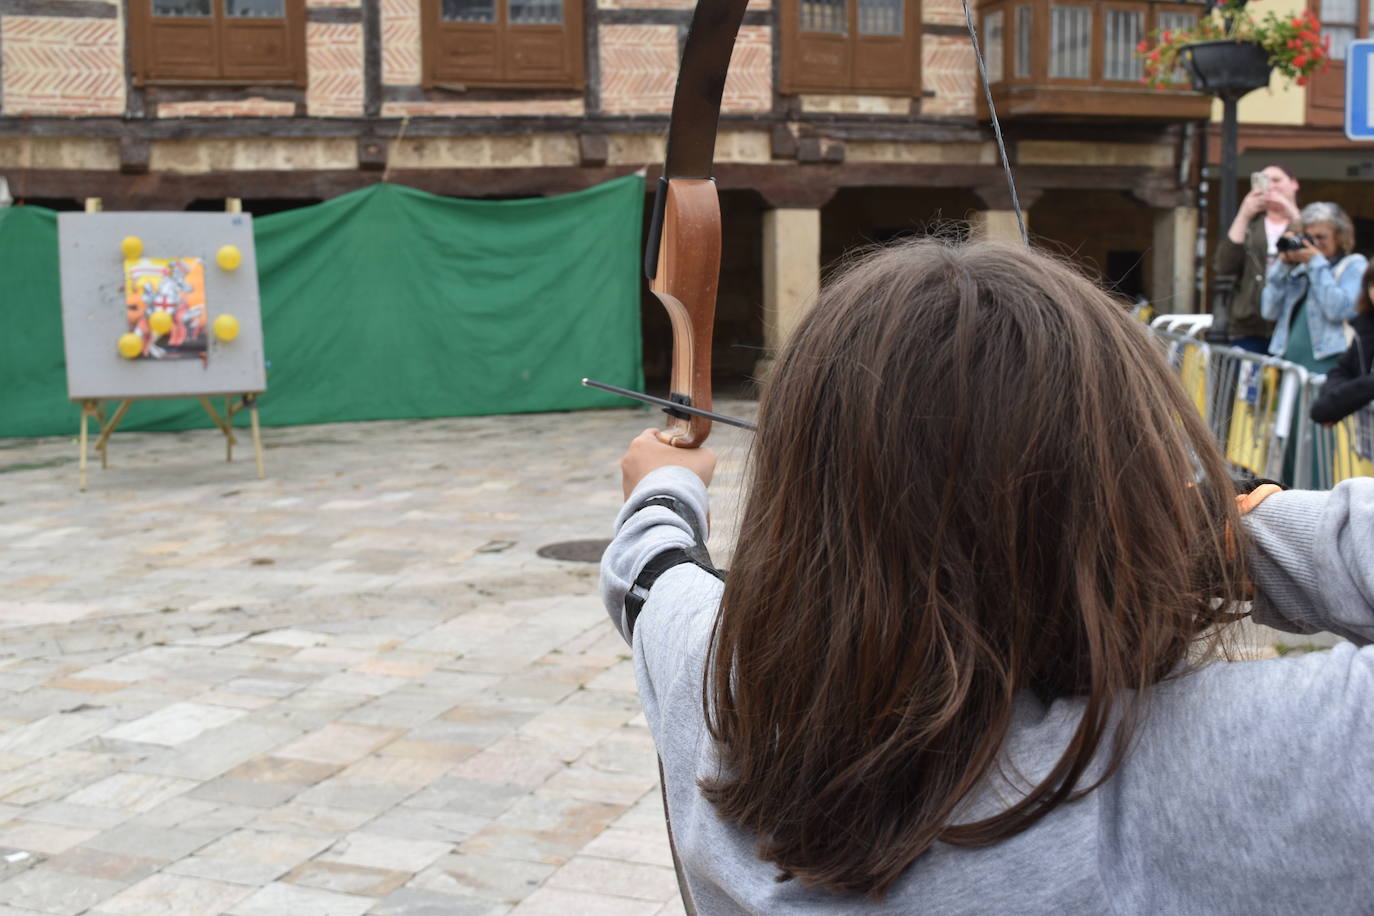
[1252,417]
[1193,374]
[1353,446]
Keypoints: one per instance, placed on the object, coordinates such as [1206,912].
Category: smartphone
[1259,182]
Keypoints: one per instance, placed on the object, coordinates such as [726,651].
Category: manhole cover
[575,551]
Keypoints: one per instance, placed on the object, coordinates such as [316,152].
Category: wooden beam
[134,155]
[334,15]
[372,57]
[66,9]
[856,128]
[372,153]
[593,150]
[782,185]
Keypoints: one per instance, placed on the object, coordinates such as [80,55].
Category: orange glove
[1244,503]
[1247,501]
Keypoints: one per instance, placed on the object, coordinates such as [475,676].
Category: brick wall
[638,68]
[476,109]
[334,70]
[59,66]
[245,108]
[944,12]
[401,42]
[749,84]
[949,70]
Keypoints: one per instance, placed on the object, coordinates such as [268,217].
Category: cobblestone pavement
[353,687]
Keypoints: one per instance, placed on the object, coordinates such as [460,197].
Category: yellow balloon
[160,322]
[130,345]
[132,246]
[228,257]
[226,327]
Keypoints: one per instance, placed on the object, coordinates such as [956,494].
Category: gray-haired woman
[1313,287]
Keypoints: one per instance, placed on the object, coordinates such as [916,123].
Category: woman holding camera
[1312,289]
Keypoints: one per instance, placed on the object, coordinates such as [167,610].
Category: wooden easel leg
[223,425]
[85,414]
[257,434]
[100,425]
[107,429]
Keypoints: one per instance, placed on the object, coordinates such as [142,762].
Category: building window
[865,46]
[993,48]
[1343,21]
[1025,20]
[222,41]
[1123,30]
[519,44]
[1071,42]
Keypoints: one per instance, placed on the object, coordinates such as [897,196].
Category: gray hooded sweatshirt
[1249,788]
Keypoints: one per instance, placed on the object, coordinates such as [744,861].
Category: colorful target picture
[164,301]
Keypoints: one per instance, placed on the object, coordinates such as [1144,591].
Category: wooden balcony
[1071,59]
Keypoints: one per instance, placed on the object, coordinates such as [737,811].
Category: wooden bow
[682,259]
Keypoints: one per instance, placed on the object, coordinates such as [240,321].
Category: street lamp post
[1226,69]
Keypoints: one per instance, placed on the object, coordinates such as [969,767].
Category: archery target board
[144,297]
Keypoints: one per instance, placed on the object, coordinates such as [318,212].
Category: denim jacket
[1330,302]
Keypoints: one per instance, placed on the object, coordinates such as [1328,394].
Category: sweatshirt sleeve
[1311,558]
[642,532]
[1345,391]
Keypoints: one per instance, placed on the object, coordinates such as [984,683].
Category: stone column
[791,274]
[996,224]
[998,218]
[1174,260]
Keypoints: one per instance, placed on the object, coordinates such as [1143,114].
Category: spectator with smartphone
[1350,384]
[1249,249]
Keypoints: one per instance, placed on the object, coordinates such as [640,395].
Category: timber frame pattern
[807,149]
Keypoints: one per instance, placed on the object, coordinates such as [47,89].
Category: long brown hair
[974,475]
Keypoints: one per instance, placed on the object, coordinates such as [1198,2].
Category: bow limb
[683,257]
[688,274]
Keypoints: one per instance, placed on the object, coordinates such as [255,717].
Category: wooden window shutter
[888,63]
[544,54]
[465,52]
[851,46]
[541,54]
[258,49]
[1326,91]
[817,53]
[217,47]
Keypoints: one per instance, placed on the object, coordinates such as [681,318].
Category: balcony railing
[1072,58]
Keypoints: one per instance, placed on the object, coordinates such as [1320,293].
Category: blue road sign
[1359,93]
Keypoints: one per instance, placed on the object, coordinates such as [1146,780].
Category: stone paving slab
[353,687]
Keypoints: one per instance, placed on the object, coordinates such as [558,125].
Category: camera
[1293,242]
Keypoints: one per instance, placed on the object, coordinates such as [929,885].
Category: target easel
[92,409]
[156,306]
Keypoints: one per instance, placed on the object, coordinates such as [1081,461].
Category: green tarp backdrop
[384,303]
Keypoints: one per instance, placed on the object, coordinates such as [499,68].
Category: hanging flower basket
[1226,68]
[1227,52]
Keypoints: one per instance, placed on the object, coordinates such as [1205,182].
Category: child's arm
[1312,560]
[665,513]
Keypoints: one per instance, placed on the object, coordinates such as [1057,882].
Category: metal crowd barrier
[1341,450]
[1257,408]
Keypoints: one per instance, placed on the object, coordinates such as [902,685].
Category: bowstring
[996,126]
